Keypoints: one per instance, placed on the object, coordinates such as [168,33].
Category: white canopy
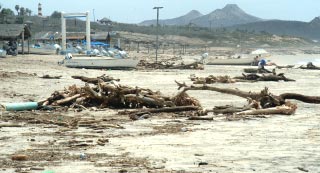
[259,51]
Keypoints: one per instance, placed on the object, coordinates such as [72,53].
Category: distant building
[105,21]
[39,10]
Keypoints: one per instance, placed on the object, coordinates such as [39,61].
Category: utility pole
[94,16]
[157,38]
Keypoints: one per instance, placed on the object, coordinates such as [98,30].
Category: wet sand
[164,143]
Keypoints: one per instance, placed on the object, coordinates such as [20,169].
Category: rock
[19,157]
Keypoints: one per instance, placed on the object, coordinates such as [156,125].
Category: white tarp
[259,51]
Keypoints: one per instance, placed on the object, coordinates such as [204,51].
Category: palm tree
[28,12]
[17,7]
[22,11]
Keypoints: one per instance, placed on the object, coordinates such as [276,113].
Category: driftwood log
[211,79]
[264,77]
[287,66]
[50,77]
[256,70]
[169,65]
[251,77]
[104,78]
[137,114]
[266,99]
[310,66]
[262,102]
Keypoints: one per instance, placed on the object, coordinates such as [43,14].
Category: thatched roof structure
[14,31]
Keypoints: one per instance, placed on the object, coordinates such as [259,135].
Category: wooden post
[148,48]
[28,45]
[174,46]
[129,46]
[163,47]
[22,44]
[185,49]
[138,47]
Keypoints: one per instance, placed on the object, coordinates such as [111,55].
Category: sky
[136,11]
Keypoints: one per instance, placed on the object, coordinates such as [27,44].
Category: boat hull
[93,63]
[233,61]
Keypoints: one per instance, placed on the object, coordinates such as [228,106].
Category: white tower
[39,10]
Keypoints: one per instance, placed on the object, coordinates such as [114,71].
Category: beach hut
[18,32]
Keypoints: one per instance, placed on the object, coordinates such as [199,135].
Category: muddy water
[276,144]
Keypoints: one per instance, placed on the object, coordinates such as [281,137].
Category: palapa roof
[57,35]
[14,31]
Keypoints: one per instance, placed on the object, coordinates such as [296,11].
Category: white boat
[231,61]
[3,53]
[100,63]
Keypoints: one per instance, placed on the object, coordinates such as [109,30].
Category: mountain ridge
[182,20]
[229,15]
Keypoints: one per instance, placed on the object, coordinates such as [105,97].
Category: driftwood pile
[211,79]
[310,66]
[105,92]
[169,65]
[260,103]
[251,77]
[264,77]
[256,70]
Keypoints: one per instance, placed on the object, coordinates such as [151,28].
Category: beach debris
[202,163]
[83,156]
[256,70]
[251,77]
[10,125]
[211,79]
[141,113]
[310,66]
[111,94]
[169,65]
[103,77]
[263,77]
[19,157]
[260,103]
[286,66]
[20,106]
[302,169]
[36,169]
[50,77]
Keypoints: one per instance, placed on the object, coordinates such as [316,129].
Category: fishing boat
[100,63]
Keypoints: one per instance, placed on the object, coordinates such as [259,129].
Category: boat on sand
[231,61]
[100,63]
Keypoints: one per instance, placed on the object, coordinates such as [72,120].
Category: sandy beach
[163,143]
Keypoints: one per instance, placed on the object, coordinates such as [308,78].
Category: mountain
[310,30]
[230,15]
[182,20]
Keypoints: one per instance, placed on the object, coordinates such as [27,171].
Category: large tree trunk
[264,96]
[300,97]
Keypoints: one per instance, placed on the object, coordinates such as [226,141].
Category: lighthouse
[39,10]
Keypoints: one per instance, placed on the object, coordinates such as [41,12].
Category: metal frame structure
[157,38]
[64,16]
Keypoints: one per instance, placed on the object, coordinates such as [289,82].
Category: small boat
[231,61]
[100,63]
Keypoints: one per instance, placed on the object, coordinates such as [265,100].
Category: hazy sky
[135,11]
